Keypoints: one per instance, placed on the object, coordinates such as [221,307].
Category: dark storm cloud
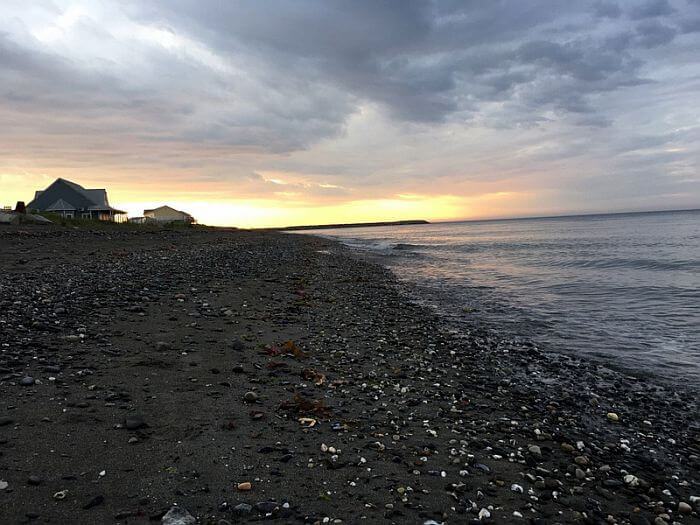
[651,9]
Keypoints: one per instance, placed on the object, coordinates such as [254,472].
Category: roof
[166,207]
[61,205]
[63,192]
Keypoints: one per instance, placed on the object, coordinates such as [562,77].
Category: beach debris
[304,405]
[307,422]
[286,348]
[61,494]
[178,516]
[310,374]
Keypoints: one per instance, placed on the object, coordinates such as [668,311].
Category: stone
[566,447]
[34,481]
[580,474]
[4,485]
[581,460]
[250,397]
[94,502]
[684,508]
[27,381]
[245,486]
[134,423]
[178,516]
[242,508]
[534,450]
[612,416]
[267,507]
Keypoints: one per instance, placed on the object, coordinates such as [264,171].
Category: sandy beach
[248,376]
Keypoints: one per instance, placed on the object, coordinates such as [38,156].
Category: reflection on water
[624,286]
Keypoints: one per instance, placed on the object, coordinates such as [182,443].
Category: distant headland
[350,225]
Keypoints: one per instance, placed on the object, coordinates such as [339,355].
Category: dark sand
[168,331]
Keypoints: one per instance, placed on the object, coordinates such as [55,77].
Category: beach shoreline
[140,369]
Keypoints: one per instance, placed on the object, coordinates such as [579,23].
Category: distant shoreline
[348,225]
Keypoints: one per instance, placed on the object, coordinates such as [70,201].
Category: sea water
[624,288]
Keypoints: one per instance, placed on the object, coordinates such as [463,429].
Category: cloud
[346,96]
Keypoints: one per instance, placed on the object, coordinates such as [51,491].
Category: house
[167,214]
[71,200]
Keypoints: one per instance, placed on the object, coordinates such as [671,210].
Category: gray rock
[178,516]
[134,423]
[242,508]
[27,381]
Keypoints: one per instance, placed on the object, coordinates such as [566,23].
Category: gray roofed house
[72,200]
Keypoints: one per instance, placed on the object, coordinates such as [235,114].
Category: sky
[248,113]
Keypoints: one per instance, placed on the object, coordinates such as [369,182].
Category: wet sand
[247,376]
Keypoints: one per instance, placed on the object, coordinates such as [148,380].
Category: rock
[245,486]
[568,448]
[581,460]
[250,397]
[134,423]
[4,485]
[34,481]
[4,421]
[684,508]
[237,344]
[94,502]
[27,381]
[267,507]
[178,516]
[612,416]
[162,346]
[242,508]
[580,474]
[60,495]
[535,450]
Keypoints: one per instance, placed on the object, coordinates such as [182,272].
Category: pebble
[27,381]
[242,508]
[245,486]
[34,480]
[612,416]
[4,485]
[178,516]
[134,422]
[250,397]
[535,450]
[581,460]
[684,508]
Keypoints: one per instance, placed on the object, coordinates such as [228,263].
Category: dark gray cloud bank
[582,105]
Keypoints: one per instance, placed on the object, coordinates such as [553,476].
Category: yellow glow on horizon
[262,213]
[274,209]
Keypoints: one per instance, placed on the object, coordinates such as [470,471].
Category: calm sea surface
[623,288]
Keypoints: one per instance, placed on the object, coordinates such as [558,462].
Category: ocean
[621,288]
